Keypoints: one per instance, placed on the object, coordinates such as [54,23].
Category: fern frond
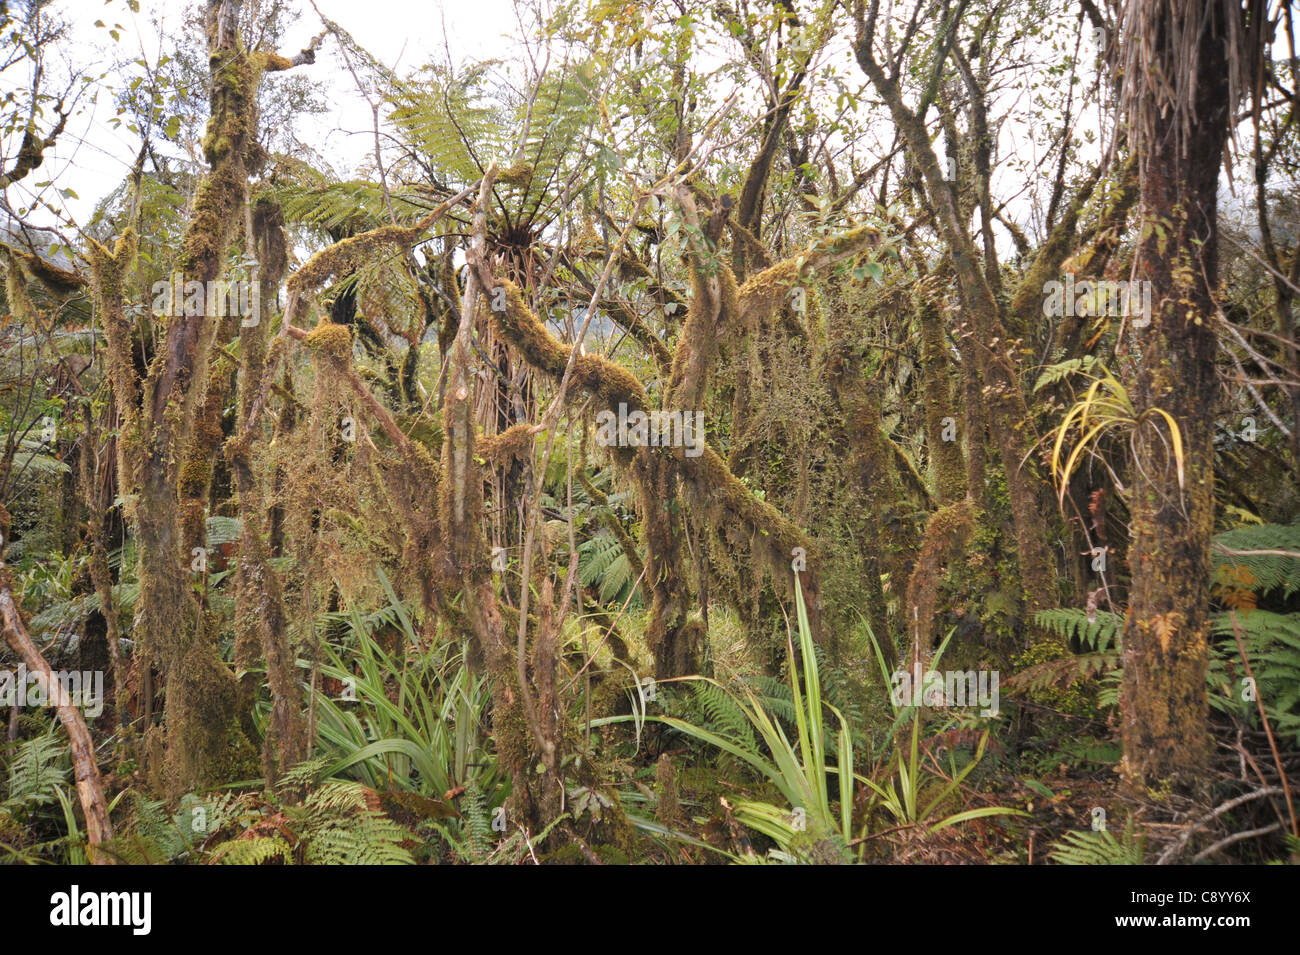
[478,829]
[725,715]
[149,836]
[37,770]
[1097,848]
[258,850]
[1260,557]
[449,119]
[1273,646]
[1099,634]
[1052,374]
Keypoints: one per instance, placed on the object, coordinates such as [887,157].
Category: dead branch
[90,786]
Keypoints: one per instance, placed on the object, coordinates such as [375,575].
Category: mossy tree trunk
[946,462]
[856,431]
[261,624]
[205,741]
[1170,367]
[203,731]
[997,365]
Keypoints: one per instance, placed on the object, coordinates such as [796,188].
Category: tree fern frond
[352,206]
[1259,558]
[445,117]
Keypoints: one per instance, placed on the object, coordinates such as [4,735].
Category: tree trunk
[1170,367]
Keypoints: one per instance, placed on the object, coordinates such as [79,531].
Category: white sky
[92,157]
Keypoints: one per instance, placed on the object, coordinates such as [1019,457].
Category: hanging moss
[206,744]
[946,536]
[712,490]
[766,291]
[520,326]
[713,311]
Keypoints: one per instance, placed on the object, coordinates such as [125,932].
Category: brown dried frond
[1160,66]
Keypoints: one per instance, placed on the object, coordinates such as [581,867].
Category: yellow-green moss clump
[275,63]
[331,341]
[349,254]
[768,289]
[514,442]
[763,293]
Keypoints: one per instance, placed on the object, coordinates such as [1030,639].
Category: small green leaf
[1038,787]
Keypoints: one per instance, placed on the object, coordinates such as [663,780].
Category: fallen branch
[90,786]
[1177,847]
[1235,837]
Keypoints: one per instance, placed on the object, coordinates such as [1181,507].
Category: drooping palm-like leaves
[809,823]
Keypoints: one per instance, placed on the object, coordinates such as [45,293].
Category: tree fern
[222,530]
[34,464]
[563,112]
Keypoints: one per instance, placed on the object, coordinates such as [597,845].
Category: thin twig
[1263,716]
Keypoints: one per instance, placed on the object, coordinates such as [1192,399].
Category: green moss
[515,442]
[206,745]
[274,62]
[331,341]
[520,326]
[349,254]
[1070,699]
